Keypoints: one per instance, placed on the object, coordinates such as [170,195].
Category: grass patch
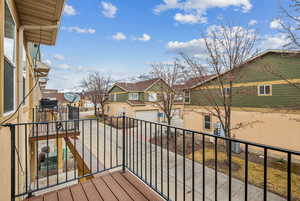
[277,179]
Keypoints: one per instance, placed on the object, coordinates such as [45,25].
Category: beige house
[139,100]
[265,107]
[24,25]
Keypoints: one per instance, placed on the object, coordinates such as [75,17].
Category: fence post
[13,160]
[123,147]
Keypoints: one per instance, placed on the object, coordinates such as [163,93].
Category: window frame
[12,63]
[204,121]
[14,60]
[133,96]
[264,94]
[14,88]
[150,96]
[189,96]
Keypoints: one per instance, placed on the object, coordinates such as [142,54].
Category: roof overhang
[40,13]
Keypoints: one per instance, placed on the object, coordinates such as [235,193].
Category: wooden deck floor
[115,186]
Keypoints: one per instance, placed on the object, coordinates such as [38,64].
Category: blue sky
[121,38]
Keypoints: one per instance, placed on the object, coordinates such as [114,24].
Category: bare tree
[96,87]
[171,74]
[227,48]
[290,23]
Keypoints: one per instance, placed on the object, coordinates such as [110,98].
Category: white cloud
[252,22]
[69,10]
[80,30]
[197,47]
[108,9]
[275,24]
[200,7]
[48,62]
[189,18]
[145,37]
[276,41]
[119,36]
[192,47]
[58,57]
[64,66]
[68,77]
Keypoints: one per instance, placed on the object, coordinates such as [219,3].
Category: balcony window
[8,86]
[9,36]
[133,96]
[152,96]
[264,90]
[9,61]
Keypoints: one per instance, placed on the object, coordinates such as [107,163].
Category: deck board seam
[123,188]
[71,193]
[85,193]
[109,175]
[97,189]
[135,187]
[109,188]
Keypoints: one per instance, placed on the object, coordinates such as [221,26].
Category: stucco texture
[265,127]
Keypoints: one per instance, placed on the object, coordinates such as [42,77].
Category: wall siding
[283,95]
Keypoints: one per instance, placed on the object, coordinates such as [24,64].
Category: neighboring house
[139,100]
[22,72]
[88,100]
[55,95]
[265,106]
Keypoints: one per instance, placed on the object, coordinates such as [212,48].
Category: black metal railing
[183,164]
[177,163]
[45,158]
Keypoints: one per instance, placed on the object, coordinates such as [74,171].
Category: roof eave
[41,14]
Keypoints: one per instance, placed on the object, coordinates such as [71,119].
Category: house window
[9,61]
[226,91]
[9,36]
[187,96]
[114,97]
[264,90]
[207,122]
[152,96]
[133,96]
[8,86]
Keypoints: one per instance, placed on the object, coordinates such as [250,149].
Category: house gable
[157,86]
[116,89]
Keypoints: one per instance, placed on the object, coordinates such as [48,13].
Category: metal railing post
[13,161]
[123,148]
